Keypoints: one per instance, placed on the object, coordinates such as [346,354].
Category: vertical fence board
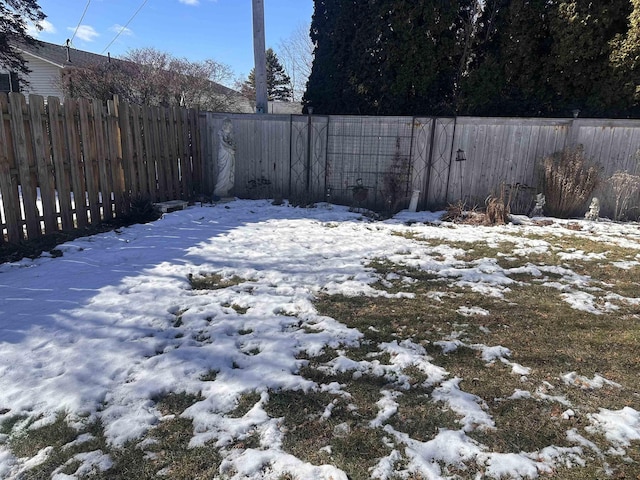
[44,168]
[60,164]
[139,155]
[159,132]
[115,165]
[151,153]
[195,149]
[90,157]
[8,185]
[76,162]
[102,154]
[168,146]
[129,166]
[186,170]
[28,182]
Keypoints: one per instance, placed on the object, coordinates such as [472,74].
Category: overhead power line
[125,26]
[80,22]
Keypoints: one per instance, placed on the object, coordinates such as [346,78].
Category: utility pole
[260,56]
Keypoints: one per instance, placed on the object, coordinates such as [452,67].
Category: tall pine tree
[278,82]
[480,57]
[391,57]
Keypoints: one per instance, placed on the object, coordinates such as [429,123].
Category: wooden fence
[328,157]
[73,165]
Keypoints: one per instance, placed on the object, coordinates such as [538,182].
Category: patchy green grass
[334,425]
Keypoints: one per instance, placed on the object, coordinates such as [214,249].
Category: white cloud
[189,2]
[85,32]
[45,27]
[119,29]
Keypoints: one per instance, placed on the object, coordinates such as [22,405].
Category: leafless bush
[454,212]
[568,182]
[460,213]
[624,187]
[396,182]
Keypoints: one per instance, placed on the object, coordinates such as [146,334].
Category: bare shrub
[459,213]
[568,182]
[396,182]
[454,212]
[624,187]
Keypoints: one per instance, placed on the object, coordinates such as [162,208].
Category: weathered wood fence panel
[263,153]
[326,156]
[80,163]
[614,146]
[504,152]
[69,166]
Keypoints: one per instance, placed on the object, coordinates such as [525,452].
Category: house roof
[61,56]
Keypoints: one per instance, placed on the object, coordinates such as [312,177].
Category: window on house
[9,82]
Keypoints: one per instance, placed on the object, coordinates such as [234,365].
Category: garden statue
[226,161]
[537,208]
[594,210]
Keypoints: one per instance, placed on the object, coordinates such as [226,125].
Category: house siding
[42,79]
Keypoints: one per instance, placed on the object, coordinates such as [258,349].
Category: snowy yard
[281,339]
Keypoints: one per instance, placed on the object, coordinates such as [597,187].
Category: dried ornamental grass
[624,186]
[568,182]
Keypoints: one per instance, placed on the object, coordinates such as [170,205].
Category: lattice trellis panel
[362,152]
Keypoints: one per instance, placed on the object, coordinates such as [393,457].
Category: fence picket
[90,156]
[76,162]
[115,170]
[42,157]
[8,185]
[167,148]
[104,162]
[126,146]
[28,182]
[182,136]
[196,152]
[138,158]
[60,166]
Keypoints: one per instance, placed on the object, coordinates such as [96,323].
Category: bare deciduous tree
[149,76]
[296,54]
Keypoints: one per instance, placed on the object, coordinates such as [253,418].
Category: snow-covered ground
[113,324]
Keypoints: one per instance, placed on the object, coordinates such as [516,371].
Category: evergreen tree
[14,15]
[480,57]
[390,57]
[330,88]
[509,76]
[625,62]
[278,82]
[583,34]
[549,58]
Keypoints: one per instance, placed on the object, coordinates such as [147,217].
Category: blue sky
[195,29]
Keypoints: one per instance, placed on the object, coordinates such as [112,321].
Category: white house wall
[42,79]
